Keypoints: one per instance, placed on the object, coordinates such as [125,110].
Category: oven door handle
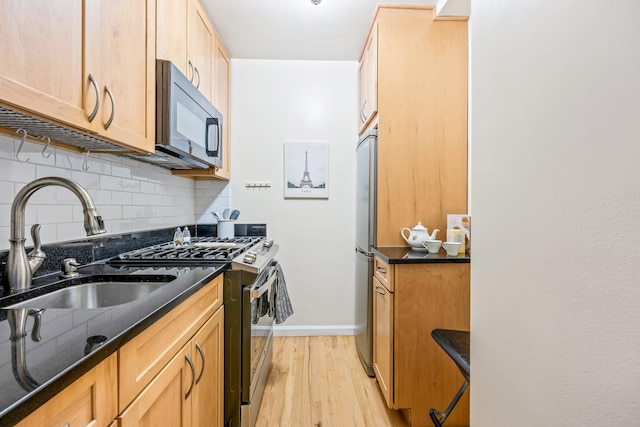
[258,292]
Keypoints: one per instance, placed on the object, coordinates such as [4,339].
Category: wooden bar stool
[456,345]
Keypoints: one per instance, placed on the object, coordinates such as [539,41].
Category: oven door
[258,319]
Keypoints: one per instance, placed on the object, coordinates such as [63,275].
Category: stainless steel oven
[249,309]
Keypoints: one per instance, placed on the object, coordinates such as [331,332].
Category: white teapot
[417,235]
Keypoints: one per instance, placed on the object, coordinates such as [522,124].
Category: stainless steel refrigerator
[366,167]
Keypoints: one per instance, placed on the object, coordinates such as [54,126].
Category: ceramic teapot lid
[419,226]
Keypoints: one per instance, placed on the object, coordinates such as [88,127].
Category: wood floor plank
[319,382]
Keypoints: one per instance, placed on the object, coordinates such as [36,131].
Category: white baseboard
[312,331]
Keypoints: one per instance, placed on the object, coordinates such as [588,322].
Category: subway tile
[147,187]
[7,145]
[122,171]
[110,183]
[86,179]
[121,198]
[130,185]
[54,214]
[43,171]
[120,226]
[14,171]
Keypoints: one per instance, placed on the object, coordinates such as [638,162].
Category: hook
[46,146]
[85,163]
[24,137]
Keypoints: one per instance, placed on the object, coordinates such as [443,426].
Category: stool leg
[440,417]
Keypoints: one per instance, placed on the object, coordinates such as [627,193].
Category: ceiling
[295,29]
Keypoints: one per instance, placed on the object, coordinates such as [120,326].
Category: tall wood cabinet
[420,84]
[414,373]
[89,64]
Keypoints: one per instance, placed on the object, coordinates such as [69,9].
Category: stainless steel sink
[97,292]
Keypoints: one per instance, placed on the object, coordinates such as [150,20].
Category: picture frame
[306,170]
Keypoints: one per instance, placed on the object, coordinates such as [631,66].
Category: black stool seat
[456,345]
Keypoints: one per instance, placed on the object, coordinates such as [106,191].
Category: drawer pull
[380,290]
[199,348]
[381,270]
[193,375]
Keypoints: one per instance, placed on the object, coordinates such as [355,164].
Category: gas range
[202,251]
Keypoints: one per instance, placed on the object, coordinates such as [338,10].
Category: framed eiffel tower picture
[306,170]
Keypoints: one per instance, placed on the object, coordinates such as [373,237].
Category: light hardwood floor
[319,382]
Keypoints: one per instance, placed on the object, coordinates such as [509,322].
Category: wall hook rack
[85,163]
[257,184]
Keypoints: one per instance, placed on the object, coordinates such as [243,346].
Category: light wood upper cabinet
[200,49]
[221,98]
[120,53]
[368,79]
[42,58]
[91,400]
[171,34]
[84,63]
[186,37]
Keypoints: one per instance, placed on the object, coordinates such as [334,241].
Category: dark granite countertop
[59,358]
[405,255]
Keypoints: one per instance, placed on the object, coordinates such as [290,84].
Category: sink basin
[96,292]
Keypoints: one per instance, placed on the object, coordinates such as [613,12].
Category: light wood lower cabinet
[189,389]
[92,400]
[413,372]
[383,343]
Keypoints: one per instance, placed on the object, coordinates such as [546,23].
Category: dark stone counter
[59,358]
[405,255]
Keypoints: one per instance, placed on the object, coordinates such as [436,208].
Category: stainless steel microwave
[188,126]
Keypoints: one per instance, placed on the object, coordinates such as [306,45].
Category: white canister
[226,229]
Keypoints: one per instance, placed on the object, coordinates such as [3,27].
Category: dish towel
[280,302]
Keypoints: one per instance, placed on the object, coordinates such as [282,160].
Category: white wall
[555,316]
[130,195]
[308,101]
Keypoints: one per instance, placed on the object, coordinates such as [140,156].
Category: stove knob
[249,258]
[267,243]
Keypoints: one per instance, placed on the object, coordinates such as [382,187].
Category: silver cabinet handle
[380,290]
[190,70]
[381,270]
[113,108]
[193,375]
[362,114]
[95,108]
[199,348]
[197,74]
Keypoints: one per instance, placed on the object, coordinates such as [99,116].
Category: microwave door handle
[258,292]
[212,121]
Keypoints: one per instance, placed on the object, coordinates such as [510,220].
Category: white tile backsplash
[130,195]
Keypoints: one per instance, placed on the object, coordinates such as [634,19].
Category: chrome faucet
[20,266]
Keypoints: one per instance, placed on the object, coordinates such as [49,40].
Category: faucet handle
[69,267]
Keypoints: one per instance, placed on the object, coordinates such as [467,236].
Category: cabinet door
[89,401]
[164,402]
[221,91]
[362,89]
[383,339]
[208,353]
[41,66]
[120,52]
[171,32]
[371,106]
[201,38]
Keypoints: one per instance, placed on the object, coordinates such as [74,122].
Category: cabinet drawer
[143,357]
[383,272]
[89,401]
